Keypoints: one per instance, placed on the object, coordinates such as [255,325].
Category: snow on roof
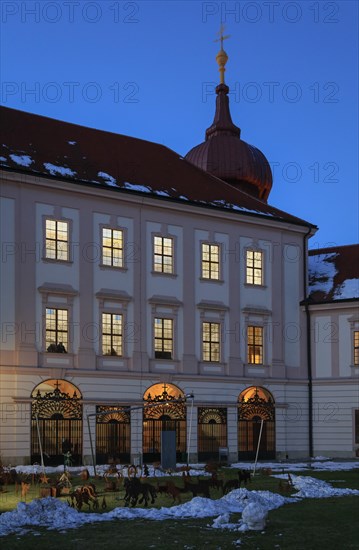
[44,146]
[334,273]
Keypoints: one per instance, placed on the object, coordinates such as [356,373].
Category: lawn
[328,524]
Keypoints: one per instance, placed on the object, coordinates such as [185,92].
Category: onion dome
[224,154]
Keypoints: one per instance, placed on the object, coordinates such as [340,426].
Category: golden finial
[221,56]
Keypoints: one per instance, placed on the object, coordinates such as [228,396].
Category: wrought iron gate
[160,416]
[57,417]
[256,404]
[113,435]
[212,431]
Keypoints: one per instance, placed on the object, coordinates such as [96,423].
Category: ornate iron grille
[167,412]
[59,419]
[251,411]
[212,431]
[113,434]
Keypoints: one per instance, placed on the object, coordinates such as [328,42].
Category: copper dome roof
[225,155]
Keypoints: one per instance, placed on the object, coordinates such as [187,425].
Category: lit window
[57,240]
[254,267]
[163,254]
[56,330]
[211,341]
[112,247]
[210,261]
[163,338]
[255,345]
[356,347]
[111,334]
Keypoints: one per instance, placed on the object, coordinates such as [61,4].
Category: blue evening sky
[147,69]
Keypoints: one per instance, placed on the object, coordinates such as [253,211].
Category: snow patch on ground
[55,514]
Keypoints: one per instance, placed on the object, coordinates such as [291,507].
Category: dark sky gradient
[147,69]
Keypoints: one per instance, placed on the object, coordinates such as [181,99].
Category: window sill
[163,274]
[253,285]
[56,261]
[116,267]
[205,280]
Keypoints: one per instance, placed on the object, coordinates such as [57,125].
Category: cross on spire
[221,36]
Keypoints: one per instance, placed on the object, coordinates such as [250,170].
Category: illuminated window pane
[56,328]
[210,261]
[255,345]
[112,247]
[163,254]
[211,342]
[254,267]
[56,240]
[356,347]
[112,334]
[163,331]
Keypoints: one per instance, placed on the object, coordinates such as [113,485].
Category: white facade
[31,283]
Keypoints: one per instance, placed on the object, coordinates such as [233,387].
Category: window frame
[162,263]
[254,345]
[112,334]
[210,261]
[355,348]
[57,331]
[211,342]
[122,230]
[253,268]
[161,353]
[57,220]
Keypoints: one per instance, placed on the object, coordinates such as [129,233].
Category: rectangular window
[254,267]
[210,261]
[112,334]
[57,240]
[356,347]
[163,254]
[255,345]
[56,330]
[112,247]
[211,341]
[163,330]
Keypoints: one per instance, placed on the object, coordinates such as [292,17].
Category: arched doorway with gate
[164,409]
[212,432]
[56,422]
[113,434]
[256,404]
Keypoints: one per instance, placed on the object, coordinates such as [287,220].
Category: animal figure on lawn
[200,488]
[169,488]
[134,488]
[84,495]
[245,476]
[231,484]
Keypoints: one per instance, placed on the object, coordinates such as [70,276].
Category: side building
[333,306]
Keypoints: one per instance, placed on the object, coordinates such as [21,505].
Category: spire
[221,56]
[222,123]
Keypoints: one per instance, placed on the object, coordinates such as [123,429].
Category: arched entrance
[254,405]
[113,434]
[212,431]
[56,419]
[167,411]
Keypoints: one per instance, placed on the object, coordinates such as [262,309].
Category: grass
[309,524]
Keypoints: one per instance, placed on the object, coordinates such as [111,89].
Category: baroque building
[143,292]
